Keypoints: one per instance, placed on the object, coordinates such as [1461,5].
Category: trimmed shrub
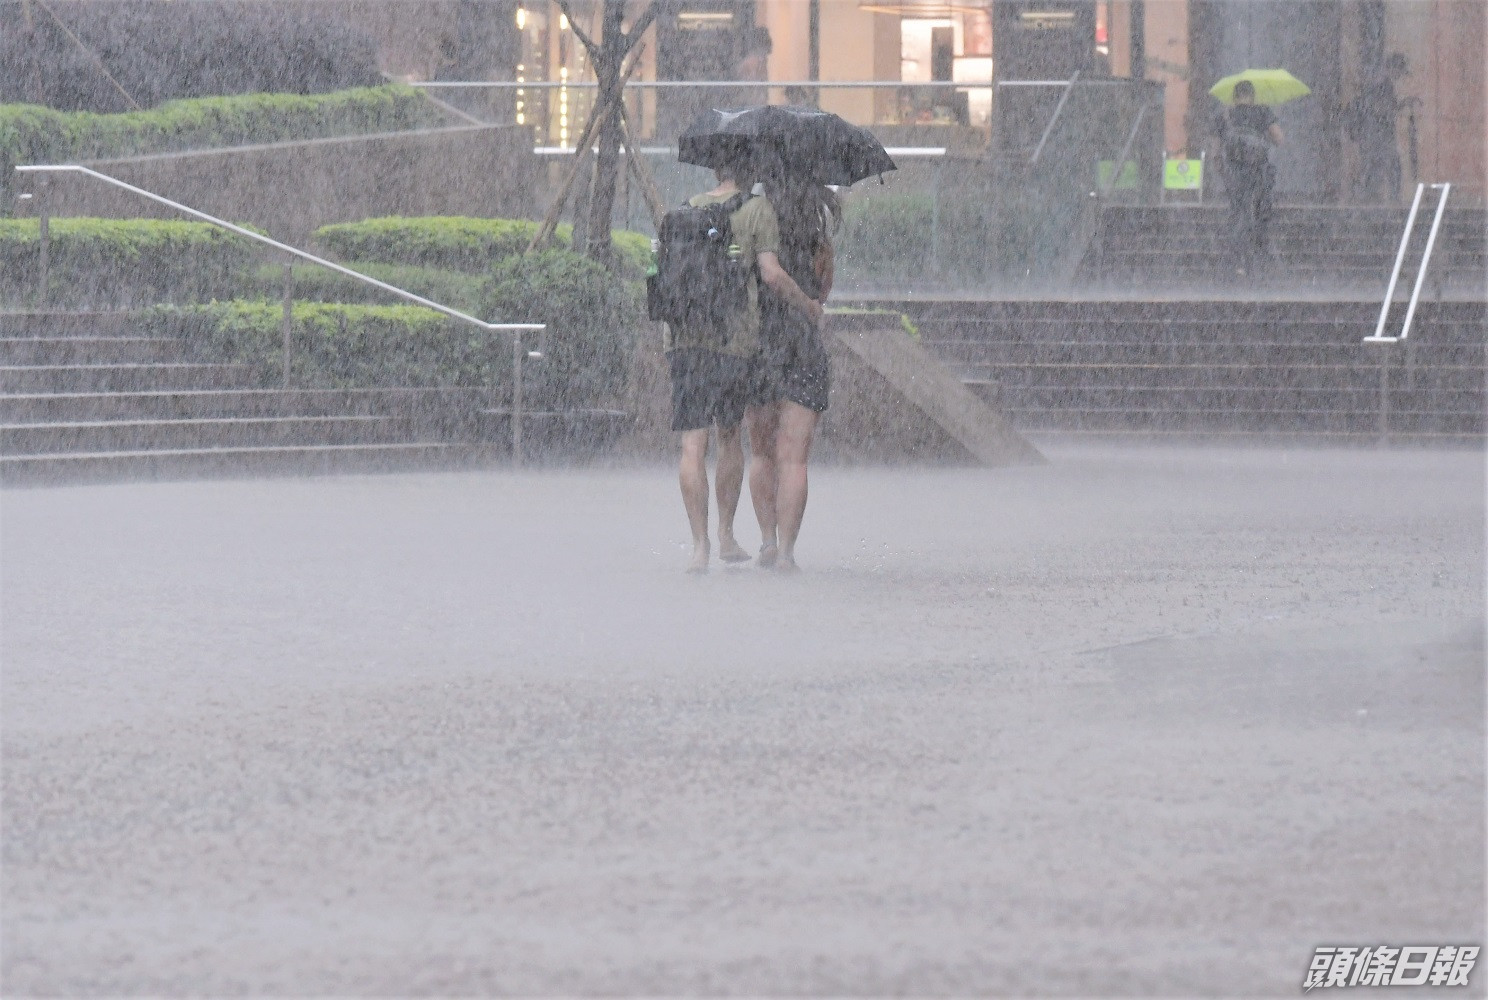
[314,283]
[460,243]
[895,240]
[158,50]
[338,346]
[592,313]
[33,134]
[454,243]
[123,262]
[885,236]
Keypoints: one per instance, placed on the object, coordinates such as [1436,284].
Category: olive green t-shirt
[756,230]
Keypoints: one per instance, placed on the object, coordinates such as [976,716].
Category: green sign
[1105,169]
[1183,175]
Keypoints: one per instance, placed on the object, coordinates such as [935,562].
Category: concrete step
[75,378]
[1139,397]
[1019,352]
[421,405]
[1044,436]
[185,435]
[1438,378]
[88,349]
[65,323]
[245,462]
[1033,419]
[1171,311]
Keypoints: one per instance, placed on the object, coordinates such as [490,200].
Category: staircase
[84,398]
[1331,250]
[1165,367]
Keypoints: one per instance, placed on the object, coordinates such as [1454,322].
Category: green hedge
[593,316]
[123,262]
[898,239]
[338,346]
[314,283]
[459,243]
[33,134]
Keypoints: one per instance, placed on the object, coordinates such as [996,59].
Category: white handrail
[428,303]
[517,329]
[1441,207]
[1410,222]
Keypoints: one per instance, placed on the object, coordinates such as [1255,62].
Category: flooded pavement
[1142,721]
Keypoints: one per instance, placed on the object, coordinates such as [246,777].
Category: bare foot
[699,562]
[730,551]
[769,552]
[787,564]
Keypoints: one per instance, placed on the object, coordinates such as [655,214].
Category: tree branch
[641,171]
[641,24]
[573,25]
[602,110]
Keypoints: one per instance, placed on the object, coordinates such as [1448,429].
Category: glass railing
[997,196]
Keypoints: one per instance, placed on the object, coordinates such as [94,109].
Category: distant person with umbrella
[1247,132]
[800,151]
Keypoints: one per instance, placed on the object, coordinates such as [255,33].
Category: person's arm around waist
[783,285]
[1274,134]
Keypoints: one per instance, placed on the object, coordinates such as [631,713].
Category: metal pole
[288,321]
[1410,221]
[44,219]
[1441,207]
[516,410]
[1384,394]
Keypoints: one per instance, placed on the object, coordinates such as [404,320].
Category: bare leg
[693,476]
[763,423]
[729,485]
[792,449]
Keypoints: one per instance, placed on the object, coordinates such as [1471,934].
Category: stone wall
[291,189]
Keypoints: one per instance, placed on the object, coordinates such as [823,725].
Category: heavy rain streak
[750,497]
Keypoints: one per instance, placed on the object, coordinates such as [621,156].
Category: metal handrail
[698,84]
[1054,118]
[1410,222]
[730,84]
[515,328]
[1441,207]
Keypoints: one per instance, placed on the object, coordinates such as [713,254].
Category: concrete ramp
[894,403]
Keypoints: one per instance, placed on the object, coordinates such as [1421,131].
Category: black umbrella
[810,143]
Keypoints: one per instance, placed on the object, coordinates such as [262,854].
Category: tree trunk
[612,49]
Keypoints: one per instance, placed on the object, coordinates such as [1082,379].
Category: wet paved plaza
[1139,721]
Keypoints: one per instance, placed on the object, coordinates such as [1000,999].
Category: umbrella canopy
[1272,86]
[817,145]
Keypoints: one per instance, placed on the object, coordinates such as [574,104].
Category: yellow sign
[1183,175]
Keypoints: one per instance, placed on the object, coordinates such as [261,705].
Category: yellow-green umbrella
[1272,86]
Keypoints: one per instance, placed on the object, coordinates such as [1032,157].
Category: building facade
[950,72]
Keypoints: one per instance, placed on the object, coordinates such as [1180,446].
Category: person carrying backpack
[712,255]
[1246,134]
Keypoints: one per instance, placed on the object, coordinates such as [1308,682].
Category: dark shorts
[710,388]
[795,367]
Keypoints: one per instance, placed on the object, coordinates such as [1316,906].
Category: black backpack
[699,282]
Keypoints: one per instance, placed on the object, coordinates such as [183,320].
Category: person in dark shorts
[1246,134]
[796,376]
[714,370]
